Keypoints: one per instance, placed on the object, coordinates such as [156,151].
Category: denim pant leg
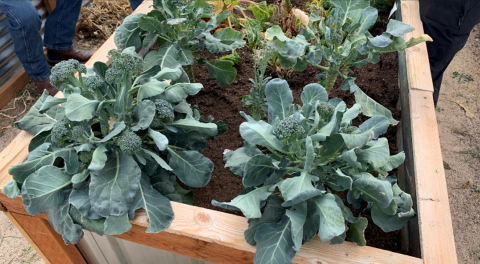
[24,26]
[135,3]
[60,26]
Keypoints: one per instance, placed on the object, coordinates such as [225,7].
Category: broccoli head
[63,74]
[93,82]
[129,142]
[325,110]
[85,156]
[288,128]
[59,132]
[322,175]
[77,132]
[122,63]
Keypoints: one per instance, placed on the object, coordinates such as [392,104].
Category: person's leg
[24,27]
[60,32]
[135,3]
[60,25]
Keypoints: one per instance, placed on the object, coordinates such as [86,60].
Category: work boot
[45,85]
[56,56]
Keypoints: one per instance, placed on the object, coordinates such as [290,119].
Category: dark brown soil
[379,81]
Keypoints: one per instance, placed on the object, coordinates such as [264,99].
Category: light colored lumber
[50,5]
[418,67]
[17,82]
[48,244]
[435,223]
[206,234]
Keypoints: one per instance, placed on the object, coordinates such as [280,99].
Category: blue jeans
[24,27]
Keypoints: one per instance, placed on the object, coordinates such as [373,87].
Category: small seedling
[440,109]
[473,252]
[474,189]
[473,154]
[462,77]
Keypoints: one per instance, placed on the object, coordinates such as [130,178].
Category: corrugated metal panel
[9,62]
[110,250]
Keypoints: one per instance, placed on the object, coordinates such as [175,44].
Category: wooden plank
[50,5]
[436,231]
[201,233]
[17,82]
[419,75]
[435,223]
[48,244]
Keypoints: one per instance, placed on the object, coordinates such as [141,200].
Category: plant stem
[331,78]
[190,73]
[322,67]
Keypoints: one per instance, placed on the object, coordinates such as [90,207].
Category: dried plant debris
[99,19]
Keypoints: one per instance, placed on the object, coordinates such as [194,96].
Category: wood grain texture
[50,5]
[48,244]
[419,75]
[8,90]
[198,232]
[436,231]
[435,223]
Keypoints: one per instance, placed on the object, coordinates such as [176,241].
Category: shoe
[45,85]
[56,56]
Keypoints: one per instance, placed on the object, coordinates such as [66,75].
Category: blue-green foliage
[115,159]
[313,153]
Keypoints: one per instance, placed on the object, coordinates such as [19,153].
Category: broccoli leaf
[156,206]
[191,167]
[279,97]
[274,243]
[248,202]
[128,34]
[222,71]
[113,187]
[79,108]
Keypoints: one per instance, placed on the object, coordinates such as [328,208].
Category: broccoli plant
[180,29]
[118,141]
[310,154]
[339,42]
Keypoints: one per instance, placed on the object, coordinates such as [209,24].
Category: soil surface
[458,114]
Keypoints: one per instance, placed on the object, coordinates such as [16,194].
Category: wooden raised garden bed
[218,237]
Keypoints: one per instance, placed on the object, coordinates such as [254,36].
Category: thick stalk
[190,73]
[331,78]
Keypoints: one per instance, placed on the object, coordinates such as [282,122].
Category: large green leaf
[62,223]
[257,169]
[179,91]
[151,89]
[272,213]
[298,216]
[224,40]
[35,122]
[332,223]
[349,9]
[275,32]
[95,225]
[43,190]
[39,139]
[118,127]
[298,189]
[310,95]
[357,140]
[222,71]
[80,199]
[99,158]
[113,187]
[128,34]
[393,162]
[157,207]
[367,19]
[143,114]
[274,243]
[79,108]
[43,156]
[51,101]
[372,189]
[356,232]
[377,123]
[166,56]
[116,225]
[161,141]
[249,202]
[191,124]
[191,167]
[260,133]
[371,108]
[397,28]
[376,153]
[279,97]
[11,189]
[236,160]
